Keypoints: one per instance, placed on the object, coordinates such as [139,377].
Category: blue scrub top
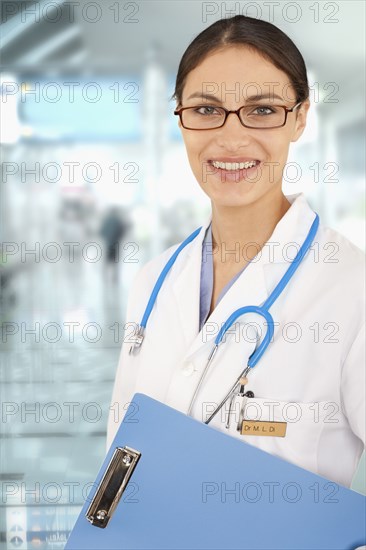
[206,285]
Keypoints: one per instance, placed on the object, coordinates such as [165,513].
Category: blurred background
[95,182]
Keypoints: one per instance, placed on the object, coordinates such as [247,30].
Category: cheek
[276,153]
[277,146]
[195,153]
[194,146]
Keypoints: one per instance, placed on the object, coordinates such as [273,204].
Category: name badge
[263,427]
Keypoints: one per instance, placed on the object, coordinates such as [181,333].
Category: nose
[233,134]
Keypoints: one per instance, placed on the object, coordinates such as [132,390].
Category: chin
[232,198]
[230,201]
[233,204]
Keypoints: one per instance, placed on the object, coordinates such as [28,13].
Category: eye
[263,110]
[207,110]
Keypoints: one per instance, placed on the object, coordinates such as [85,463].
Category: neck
[253,223]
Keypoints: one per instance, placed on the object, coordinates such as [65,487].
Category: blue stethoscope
[263,310]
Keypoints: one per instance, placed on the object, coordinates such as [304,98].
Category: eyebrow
[257,97]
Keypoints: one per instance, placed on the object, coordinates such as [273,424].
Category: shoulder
[143,282]
[330,249]
[339,253]
[190,246]
[339,278]
[146,278]
[152,268]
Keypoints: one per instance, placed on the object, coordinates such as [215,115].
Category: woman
[308,386]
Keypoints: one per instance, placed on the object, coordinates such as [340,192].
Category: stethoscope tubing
[162,276]
[261,349]
[262,310]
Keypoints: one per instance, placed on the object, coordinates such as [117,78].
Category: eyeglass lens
[260,116]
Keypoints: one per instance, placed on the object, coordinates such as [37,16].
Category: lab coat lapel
[249,288]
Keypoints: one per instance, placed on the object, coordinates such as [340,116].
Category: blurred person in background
[113,228]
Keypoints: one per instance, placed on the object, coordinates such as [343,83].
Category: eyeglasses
[208,117]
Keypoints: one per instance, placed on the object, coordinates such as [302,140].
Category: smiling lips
[234,165]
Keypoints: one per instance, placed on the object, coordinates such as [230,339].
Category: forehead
[240,70]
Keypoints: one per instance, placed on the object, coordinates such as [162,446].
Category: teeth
[234,165]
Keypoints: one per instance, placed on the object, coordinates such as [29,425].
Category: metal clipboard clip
[112,486]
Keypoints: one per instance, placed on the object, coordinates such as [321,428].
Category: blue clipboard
[172,482]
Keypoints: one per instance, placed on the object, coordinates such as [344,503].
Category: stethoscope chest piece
[137,340]
[239,392]
[245,396]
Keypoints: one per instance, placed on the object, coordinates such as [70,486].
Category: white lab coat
[312,374]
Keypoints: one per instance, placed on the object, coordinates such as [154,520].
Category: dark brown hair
[267,39]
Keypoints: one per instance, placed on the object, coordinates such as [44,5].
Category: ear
[300,121]
[179,122]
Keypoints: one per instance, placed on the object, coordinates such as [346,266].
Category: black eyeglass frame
[237,111]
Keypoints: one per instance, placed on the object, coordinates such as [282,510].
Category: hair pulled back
[267,39]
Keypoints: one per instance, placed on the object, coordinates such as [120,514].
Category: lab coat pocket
[303,422]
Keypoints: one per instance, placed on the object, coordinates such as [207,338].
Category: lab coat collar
[292,228]
[290,232]
[251,287]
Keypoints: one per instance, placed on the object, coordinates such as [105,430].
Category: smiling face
[231,77]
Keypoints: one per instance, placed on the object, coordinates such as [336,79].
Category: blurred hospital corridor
[94,183]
